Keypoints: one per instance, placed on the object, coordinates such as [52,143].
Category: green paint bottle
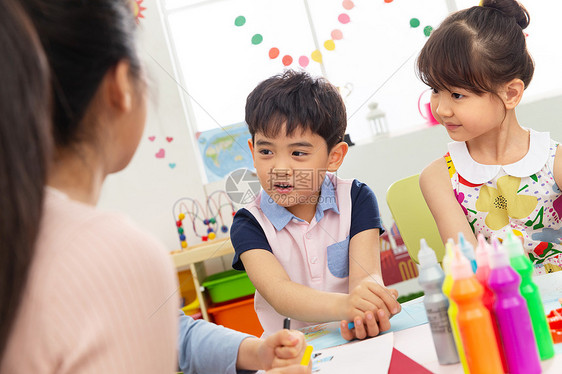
[529,290]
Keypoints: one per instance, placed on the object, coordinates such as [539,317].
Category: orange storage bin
[238,315]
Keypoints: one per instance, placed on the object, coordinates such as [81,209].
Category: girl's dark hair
[478,49]
[25,146]
[83,39]
[298,101]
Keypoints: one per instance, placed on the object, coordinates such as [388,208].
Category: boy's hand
[284,348]
[368,327]
[371,296]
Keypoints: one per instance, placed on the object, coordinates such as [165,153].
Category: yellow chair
[412,217]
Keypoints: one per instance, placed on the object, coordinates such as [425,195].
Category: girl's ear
[513,92]
[118,87]
[336,156]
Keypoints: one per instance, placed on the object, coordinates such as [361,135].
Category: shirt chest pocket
[338,258]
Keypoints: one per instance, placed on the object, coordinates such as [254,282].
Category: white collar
[476,173]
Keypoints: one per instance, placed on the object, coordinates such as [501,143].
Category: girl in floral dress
[497,175]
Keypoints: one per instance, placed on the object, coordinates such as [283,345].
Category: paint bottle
[530,292]
[453,310]
[468,251]
[512,315]
[482,274]
[475,323]
[436,305]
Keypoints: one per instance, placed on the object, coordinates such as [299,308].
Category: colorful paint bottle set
[494,313]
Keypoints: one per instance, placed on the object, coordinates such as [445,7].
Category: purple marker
[512,315]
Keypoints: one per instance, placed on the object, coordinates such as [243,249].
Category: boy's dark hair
[298,101]
[478,49]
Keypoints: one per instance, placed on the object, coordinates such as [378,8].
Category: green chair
[412,217]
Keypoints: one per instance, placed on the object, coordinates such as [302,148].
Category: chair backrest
[412,216]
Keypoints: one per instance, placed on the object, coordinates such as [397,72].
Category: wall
[148,188]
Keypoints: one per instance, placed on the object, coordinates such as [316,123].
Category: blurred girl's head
[85,41]
[25,143]
[478,49]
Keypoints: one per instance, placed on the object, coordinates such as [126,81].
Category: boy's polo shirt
[314,254]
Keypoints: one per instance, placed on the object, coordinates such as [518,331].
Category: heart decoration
[169,139]
[151,138]
[172,165]
[161,153]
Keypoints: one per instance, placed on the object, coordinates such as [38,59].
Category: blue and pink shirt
[314,254]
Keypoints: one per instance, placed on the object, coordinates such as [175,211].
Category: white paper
[366,356]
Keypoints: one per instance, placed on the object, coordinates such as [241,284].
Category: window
[222,50]
[219,63]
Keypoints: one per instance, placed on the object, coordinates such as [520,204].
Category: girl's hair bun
[510,8]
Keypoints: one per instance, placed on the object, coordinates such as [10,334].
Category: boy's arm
[365,269]
[435,184]
[289,298]
[364,258]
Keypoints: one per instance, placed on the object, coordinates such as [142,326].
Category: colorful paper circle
[240,21]
[344,18]
[336,34]
[414,22]
[329,45]
[303,61]
[287,60]
[257,39]
[273,53]
[348,4]
[427,30]
[316,56]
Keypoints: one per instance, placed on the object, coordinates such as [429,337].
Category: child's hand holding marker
[283,348]
[291,354]
[280,353]
[372,305]
[362,328]
[369,295]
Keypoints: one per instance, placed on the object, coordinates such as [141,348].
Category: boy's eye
[265,152]
[457,95]
[434,90]
[299,153]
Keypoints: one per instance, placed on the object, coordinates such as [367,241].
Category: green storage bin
[228,285]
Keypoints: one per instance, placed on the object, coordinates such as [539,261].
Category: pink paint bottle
[512,315]
[488,298]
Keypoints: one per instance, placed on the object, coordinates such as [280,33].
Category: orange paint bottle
[474,320]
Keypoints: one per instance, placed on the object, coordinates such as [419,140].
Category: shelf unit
[193,258]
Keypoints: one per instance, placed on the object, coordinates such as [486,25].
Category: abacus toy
[210,217]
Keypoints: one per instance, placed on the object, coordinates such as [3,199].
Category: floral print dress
[522,197]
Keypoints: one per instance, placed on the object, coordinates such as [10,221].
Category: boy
[310,241]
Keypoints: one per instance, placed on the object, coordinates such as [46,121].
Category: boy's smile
[291,168]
